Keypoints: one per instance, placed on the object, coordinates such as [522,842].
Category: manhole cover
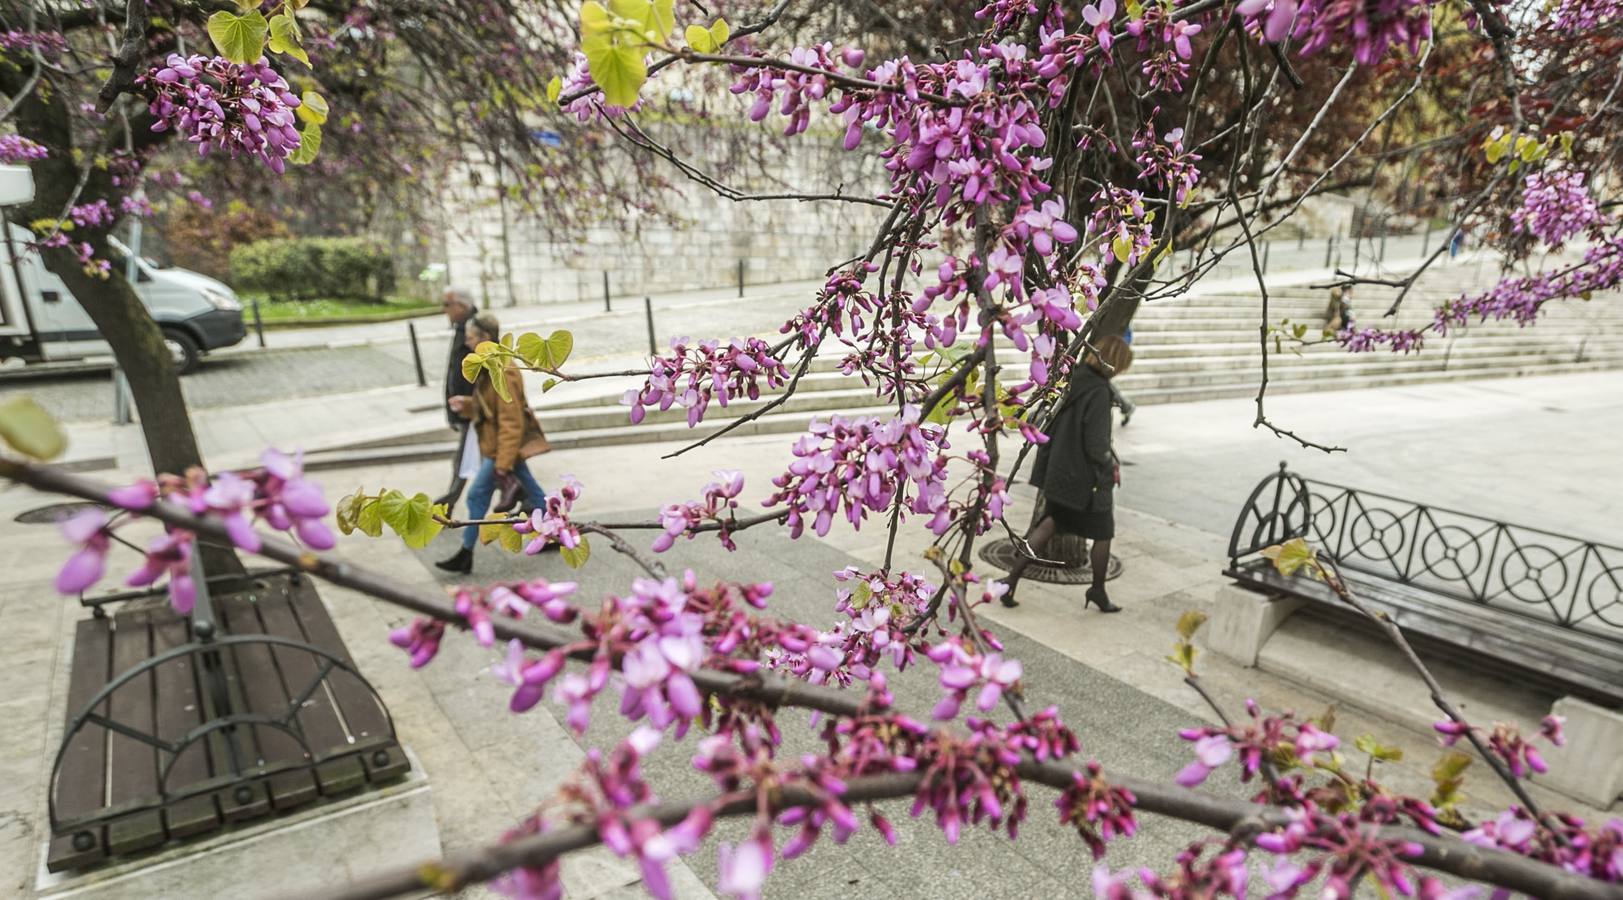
[1001,553]
[56,512]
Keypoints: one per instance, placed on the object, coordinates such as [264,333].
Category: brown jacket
[508,430]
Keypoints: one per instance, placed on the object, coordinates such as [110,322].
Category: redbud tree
[1041,166]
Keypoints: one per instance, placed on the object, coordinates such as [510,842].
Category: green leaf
[1183,656]
[594,20]
[284,38]
[30,430]
[699,39]
[240,39]
[369,517]
[472,364]
[1292,556]
[1123,248]
[347,509]
[640,15]
[548,385]
[1451,766]
[510,540]
[617,69]
[412,518]
[720,32]
[309,146]
[578,555]
[312,108]
[1189,623]
[664,17]
[547,354]
[555,89]
[1367,744]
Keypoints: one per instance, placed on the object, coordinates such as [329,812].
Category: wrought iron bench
[179,726]
[1537,604]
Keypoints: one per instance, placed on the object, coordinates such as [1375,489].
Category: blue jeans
[484,487]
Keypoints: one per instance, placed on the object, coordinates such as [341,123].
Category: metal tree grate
[1001,553]
[56,512]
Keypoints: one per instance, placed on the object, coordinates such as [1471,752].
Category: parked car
[41,321]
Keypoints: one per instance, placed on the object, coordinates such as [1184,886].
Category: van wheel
[182,351]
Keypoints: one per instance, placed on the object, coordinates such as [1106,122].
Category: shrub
[202,239]
[309,268]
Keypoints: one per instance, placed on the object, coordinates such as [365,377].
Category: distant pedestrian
[507,433]
[1336,314]
[458,307]
[1456,243]
[1077,471]
[1117,398]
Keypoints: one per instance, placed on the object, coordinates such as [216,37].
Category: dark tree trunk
[111,302]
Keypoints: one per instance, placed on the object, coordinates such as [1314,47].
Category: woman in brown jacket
[508,435]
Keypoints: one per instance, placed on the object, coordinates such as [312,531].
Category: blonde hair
[1110,356]
[487,325]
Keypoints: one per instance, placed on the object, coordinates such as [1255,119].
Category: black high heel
[1096,596]
[461,563]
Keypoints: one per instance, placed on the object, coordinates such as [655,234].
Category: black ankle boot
[461,563]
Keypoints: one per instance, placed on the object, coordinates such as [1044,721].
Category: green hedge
[309,268]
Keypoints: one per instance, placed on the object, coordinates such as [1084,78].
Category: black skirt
[1093,524]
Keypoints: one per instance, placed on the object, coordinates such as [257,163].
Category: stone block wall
[776,240]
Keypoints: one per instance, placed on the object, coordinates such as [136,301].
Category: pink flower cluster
[49,43]
[549,523]
[695,374]
[1255,742]
[1577,16]
[1100,811]
[860,466]
[964,670]
[14,148]
[1519,754]
[1166,163]
[92,215]
[276,494]
[719,502]
[219,104]
[1371,26]
[1555,206]
[795,91]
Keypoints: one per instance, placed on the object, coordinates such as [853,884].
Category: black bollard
[606,307]
[259,326]
[648,307]
[416,355]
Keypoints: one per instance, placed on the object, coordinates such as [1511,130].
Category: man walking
[459,308]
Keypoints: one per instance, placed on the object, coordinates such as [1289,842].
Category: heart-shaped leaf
[240,39]
[30,430]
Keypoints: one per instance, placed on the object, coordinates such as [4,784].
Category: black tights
[1038,538]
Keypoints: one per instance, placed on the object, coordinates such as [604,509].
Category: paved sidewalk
[1107,672]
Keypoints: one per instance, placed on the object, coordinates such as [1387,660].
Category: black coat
[1076,467]
[455,384]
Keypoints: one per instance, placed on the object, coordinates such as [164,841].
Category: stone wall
[776,240]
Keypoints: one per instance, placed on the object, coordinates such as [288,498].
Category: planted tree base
[1001,553]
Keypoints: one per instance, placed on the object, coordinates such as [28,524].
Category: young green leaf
[504,535]
[1292,556]
[30,430]
[617,69]
[1367,744]
[664,15]
[369,517]
[309,145]
[576,556]
[347,509]
[284,38]
[555,89]
[313,108]
[1189,623]
[411,517]
[472,364]
[240,39]
[720,32]
[699,39]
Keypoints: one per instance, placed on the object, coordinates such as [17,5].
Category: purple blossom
[215,103]
[88,532]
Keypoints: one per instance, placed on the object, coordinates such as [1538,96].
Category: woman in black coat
[1076,469]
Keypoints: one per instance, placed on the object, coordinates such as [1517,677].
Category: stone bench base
[1588,769]
[317,848]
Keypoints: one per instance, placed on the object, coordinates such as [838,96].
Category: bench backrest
[1566,581]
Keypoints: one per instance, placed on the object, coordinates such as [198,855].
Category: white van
[40,321]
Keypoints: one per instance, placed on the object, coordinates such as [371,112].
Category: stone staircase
[1200,347]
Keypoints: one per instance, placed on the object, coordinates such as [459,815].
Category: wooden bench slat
[322,728]
[133,768]
[82,780]
[263,693]
[359,706]
[179,710]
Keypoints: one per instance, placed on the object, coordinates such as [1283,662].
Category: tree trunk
[111,302]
